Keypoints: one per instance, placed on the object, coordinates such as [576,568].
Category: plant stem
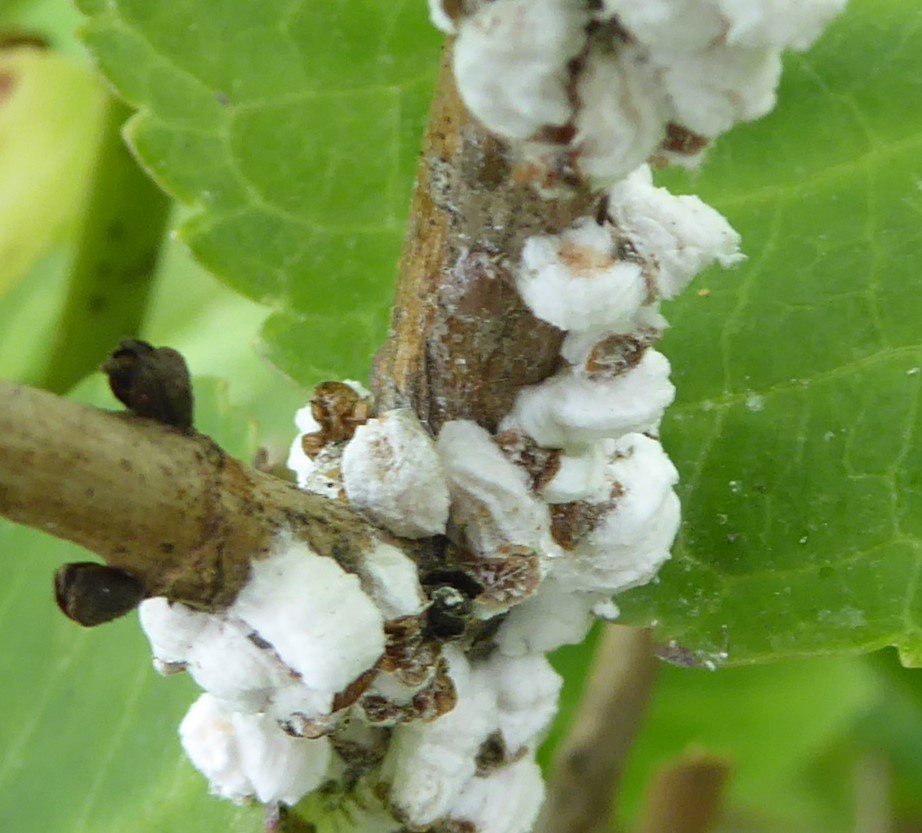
[462,341]
[873,785]
[462,344]
[170,507]
[589,762]
[112,270]
[686,796]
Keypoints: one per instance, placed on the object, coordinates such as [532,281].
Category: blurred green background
[87,729]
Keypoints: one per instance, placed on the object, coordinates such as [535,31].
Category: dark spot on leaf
[96,303]
[143,267]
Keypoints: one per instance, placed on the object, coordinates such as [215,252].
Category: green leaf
[792,732]
[772,723]
[216,330]
[893,729]
[293,128]
[319,347]
[234,431]
[796,429]
[87,728]
[28,315]
[122,226]
[53,20]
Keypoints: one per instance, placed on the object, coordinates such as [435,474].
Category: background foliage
[288,131]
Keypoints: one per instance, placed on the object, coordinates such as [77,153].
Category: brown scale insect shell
[339,410]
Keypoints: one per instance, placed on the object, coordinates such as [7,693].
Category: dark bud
[151,382]
[91,594]
[448,613]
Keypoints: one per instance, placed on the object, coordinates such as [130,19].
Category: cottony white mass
[322,657]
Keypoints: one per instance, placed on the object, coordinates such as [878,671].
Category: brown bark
[590,761]
[686,796]
[462,342]
[174,510]
[177,512]
[167,506]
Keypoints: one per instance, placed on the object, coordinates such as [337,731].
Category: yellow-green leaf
[50,110]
